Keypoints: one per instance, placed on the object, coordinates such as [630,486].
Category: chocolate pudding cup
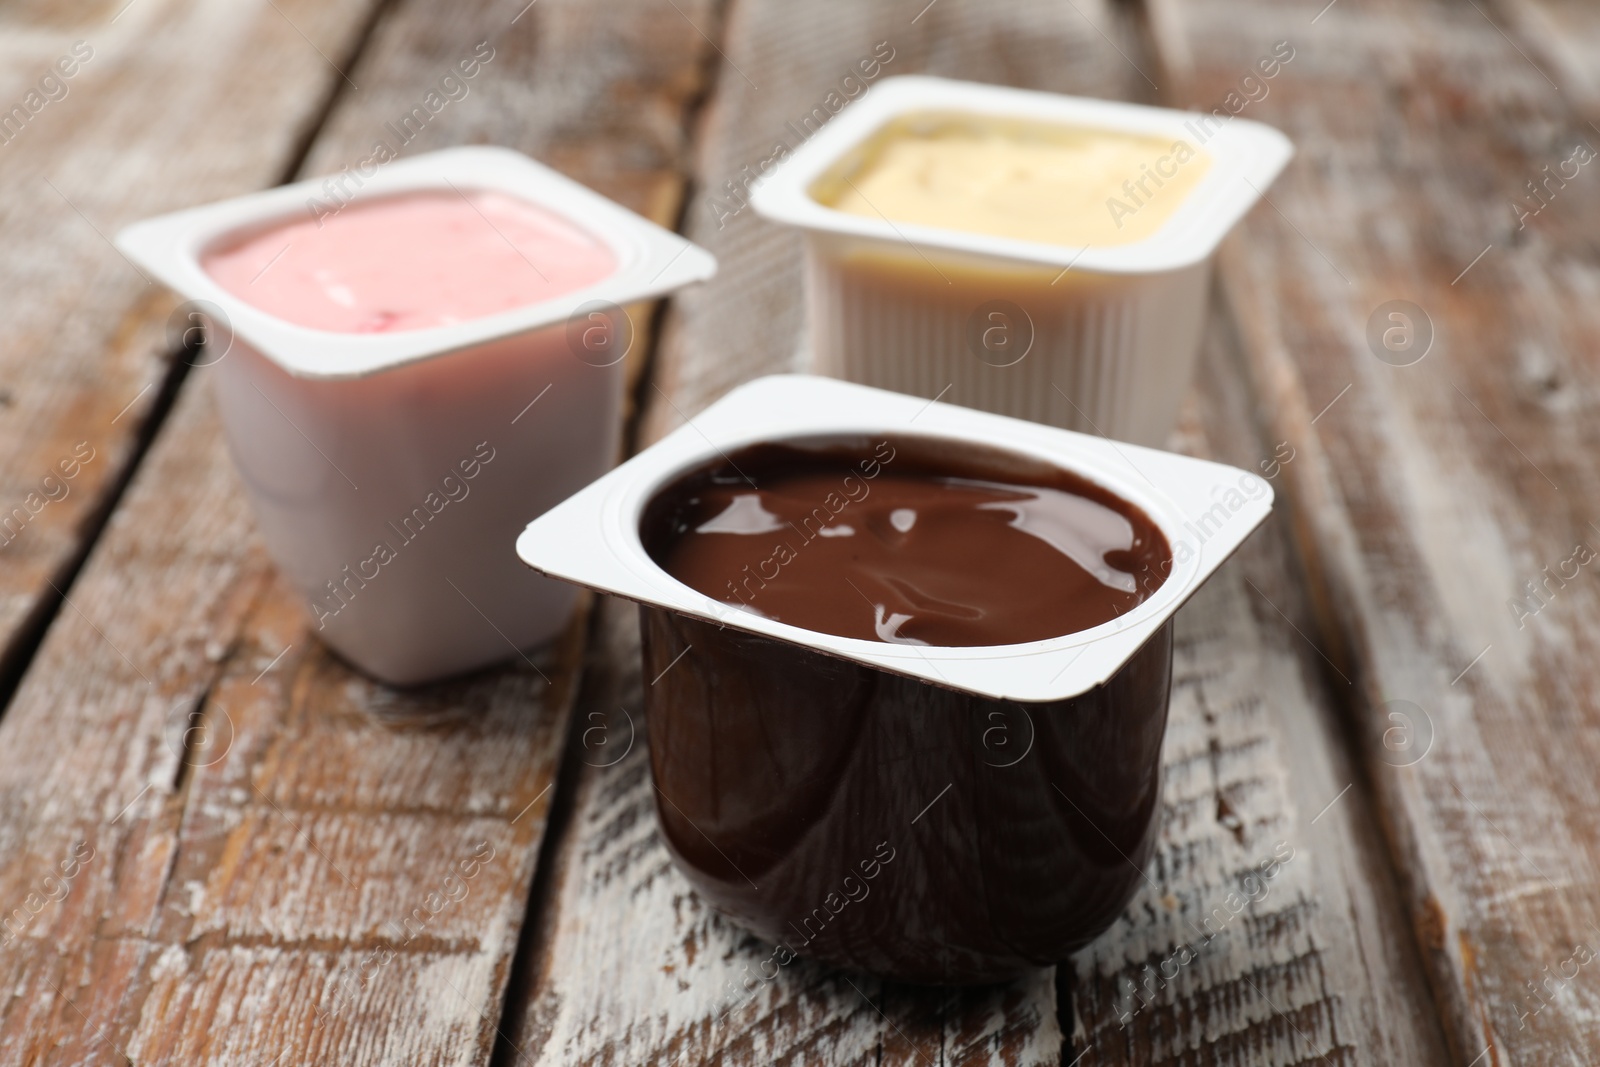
[892,825]
[934,813]
[855,815]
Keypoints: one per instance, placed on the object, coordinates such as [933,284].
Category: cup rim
[593,539]
[651,260]
[1246,157]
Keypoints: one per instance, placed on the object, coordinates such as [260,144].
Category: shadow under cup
[882,823]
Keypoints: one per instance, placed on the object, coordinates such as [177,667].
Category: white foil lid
[650,260]
[1245,158]
[1204,509]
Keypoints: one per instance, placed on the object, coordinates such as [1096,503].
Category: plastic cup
[1100,339]
[390,472]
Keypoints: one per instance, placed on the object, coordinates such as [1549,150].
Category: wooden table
[220,846]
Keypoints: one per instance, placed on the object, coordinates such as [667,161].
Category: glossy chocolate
[906,540]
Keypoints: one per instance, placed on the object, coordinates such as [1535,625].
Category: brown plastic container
[892,825]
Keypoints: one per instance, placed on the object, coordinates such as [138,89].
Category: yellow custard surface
[1031,181]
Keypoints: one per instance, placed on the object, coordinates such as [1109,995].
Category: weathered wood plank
[1428,495]
[281,862]
[1563,38]
[164,107]
[630,967]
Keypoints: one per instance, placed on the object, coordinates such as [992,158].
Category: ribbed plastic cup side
[1097,353]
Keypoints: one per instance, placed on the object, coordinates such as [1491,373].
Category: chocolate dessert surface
[907,540]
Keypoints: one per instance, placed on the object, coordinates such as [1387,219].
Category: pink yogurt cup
[392,459]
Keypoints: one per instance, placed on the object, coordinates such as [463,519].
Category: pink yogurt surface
[410,262]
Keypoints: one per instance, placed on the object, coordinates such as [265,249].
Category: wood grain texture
[244,884]
[1563,38]
[272,859]
[1428,496]
[170,103]
[630,967]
